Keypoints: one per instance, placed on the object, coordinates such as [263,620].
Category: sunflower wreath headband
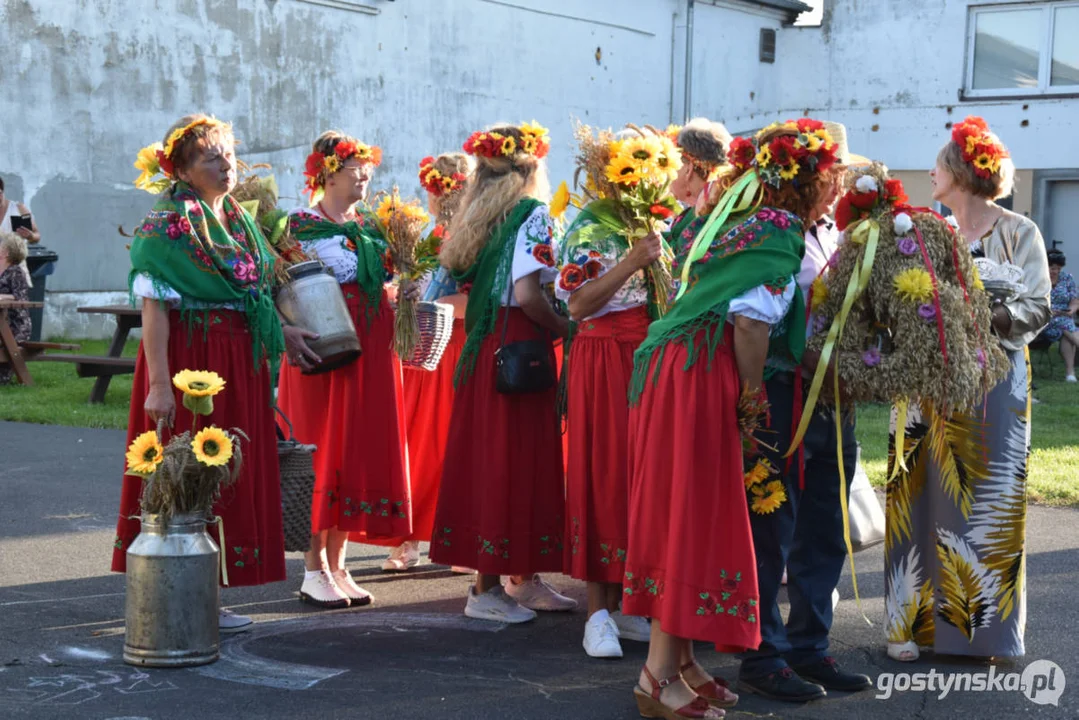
[784,156]
[319,166]
[980,147]
[535,141]
[435,182]
[156,162]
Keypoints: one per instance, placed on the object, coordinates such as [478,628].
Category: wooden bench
[11,351]
[97,366]
[105,367]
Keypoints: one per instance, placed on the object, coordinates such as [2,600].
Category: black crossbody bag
[523,367]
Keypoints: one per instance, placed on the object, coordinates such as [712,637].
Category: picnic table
[104,367]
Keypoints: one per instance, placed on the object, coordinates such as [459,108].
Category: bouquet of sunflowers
[627,186]
[402,222]
[188,474]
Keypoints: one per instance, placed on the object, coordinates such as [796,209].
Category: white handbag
[866,515]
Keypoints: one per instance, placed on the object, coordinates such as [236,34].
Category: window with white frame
[1023,49]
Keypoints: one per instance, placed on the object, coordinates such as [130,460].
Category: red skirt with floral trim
[597,476]
[428,407]
[501,501]
[251,509]
[691,564]
[353,415]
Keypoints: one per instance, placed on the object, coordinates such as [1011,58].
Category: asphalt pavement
[413,654]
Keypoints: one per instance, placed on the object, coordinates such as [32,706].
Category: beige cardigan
[1016,239]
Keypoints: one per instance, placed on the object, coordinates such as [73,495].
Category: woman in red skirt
[696,396]
[352,414]
[428,399]
[501,502]
[204,273]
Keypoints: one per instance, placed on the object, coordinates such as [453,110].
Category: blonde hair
[998,185]
[492,192]
[185,149]
[13,247]
[446,206]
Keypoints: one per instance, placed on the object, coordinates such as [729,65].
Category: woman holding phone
[15,217]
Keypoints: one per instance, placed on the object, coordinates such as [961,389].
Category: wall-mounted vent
[768,45]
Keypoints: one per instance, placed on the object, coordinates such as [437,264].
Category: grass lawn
[60,398]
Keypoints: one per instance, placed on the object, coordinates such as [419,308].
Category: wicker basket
[297,487]
[436,328]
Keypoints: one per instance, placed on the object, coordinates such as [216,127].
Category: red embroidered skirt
[690,563]
[597,476]
[428,407]
[354,416]
[251,509]
[501,501]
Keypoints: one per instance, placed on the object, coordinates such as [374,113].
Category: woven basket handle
[291,432]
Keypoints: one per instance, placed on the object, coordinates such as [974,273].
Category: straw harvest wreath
[901,306]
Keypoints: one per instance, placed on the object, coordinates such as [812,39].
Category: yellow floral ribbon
[900,462]
[864,232]
[221,549]
[740,197]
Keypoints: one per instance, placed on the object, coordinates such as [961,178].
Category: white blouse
[533,252]
[579,263]
[334,252]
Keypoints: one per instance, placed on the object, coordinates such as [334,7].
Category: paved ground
[413,654]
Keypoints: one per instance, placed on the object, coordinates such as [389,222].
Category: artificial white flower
[866,184]
[952,221]
[903,224]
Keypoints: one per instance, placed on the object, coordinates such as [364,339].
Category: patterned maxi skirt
[955,558]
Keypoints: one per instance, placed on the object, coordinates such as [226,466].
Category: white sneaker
[537,594]
[321,591]
[631,627]
[230,622]
[835,598]
[357,596]
[497,606]
[601,636]
[404,556]
[1070,378]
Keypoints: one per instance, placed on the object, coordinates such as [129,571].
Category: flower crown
[784,156]
[534,141]
[319,166]
[435,182]
[157,159]
[980,147]
[867,198]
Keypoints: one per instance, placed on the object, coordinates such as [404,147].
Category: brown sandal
[649,705]
[716,691]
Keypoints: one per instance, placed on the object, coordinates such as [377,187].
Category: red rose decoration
[893,190]
[844,213]
[592,269]
[742,152]
[661,211]
[345,149]
[729,584]
[314,164]
[808,125]
[166,164]
[571,277]
[783,152]
[863,201]
[544,254]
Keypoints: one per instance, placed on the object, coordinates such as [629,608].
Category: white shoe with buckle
[230,622]
[497,606]
[601,636]
[356,594]
[631,627]
[321,591]
[404,556]
[537,594]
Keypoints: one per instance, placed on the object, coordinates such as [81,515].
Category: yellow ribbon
[221,549]
[900,462]
[738,198]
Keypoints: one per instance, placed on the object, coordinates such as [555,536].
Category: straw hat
[839,133]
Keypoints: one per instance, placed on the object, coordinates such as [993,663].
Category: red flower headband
[866,197]
[979,147]
[319,166]
[435,182]
[534,141]
[784,156]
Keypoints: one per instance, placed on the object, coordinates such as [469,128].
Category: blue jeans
[804,535]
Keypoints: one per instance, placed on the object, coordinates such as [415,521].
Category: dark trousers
[804,535]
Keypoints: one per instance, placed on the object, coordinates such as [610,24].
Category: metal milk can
[172,594]
[312,300]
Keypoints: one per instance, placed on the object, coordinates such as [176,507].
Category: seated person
[13,286]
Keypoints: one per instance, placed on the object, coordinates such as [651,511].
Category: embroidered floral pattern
[549,544]
[727,600]
[441,536]
[537,233]
[609,554]
[499,548]
[244,556]
[581,259]
[748,233]
[642,584]
[576,536]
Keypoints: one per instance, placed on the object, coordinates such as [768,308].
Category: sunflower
[332,163]
[914,285]
[560,201]
[767,499]
[764,156]
[212,446]
[820,294]
[528,144]
[148,164]
[813,142]
[623,170]
[758,474]
[144,454]
[198,383]
[509,145]
[641,149]
[984,162]
[789,172]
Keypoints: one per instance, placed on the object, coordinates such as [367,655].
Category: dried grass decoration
[627,186]
[402,223]
[187,475]
[901,306]
[258,195]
